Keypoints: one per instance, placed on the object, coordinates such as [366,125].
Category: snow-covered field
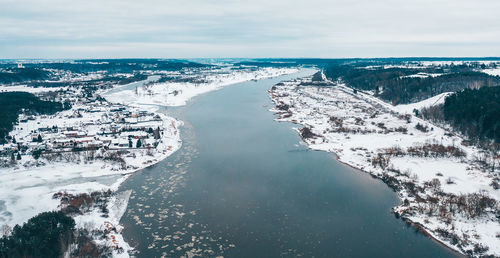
[437,63]
[177,94]
[426,165]
[432,101]
[494,72]
[423,75]
[25,88]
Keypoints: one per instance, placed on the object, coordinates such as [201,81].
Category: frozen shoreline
[375,137]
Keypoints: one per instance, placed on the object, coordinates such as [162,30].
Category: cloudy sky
[257,28]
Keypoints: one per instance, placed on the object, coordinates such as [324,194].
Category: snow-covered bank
[442,185]
[178,93]
[107,223]
[73,174]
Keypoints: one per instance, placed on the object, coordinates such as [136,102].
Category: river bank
[425,165]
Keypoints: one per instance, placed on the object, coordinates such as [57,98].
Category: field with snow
[24,88]
[494,72]
[432,101]
[439,179]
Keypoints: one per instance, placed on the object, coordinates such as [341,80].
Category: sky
[249,29]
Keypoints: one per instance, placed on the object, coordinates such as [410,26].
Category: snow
[358,127]
[441,63]
[432,101]
[494,72]
[117,205]
[422,75]
[25,88]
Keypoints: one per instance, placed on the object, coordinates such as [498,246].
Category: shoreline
[421,229]
[301,102]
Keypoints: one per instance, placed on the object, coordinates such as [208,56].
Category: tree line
[475,112]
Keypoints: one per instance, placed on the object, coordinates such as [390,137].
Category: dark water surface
[242,185]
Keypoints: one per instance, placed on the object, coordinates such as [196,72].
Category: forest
[45,235]
[475,112]
[13,102]
[13,75]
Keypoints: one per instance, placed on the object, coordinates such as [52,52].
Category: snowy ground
[25,88]
[110,223]
[378,138]
[493,71]
[423,75]
[432,101]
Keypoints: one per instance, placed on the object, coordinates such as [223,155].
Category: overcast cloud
[258,28]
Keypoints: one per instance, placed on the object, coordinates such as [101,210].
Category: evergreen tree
[139,143]
[36,154]
[46,235]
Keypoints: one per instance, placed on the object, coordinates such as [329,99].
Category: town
[92,124]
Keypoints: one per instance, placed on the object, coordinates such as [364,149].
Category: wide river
[243,185]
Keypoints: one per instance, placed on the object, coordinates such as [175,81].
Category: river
[243,185]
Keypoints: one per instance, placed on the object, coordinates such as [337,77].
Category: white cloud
[225,28]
